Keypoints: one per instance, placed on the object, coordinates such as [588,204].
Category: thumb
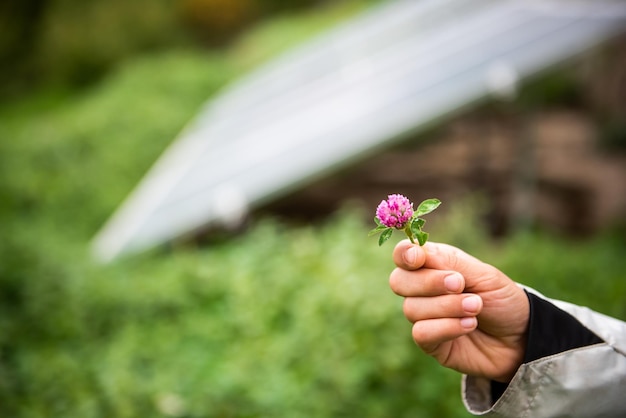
[409,256]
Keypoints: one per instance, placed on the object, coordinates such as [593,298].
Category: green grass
[280,321]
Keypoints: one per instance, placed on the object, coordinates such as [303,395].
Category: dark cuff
[550,331]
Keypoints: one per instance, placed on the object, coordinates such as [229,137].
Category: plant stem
[409,233]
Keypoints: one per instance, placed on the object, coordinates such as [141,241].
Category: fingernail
[471,304]
[468,322]
[453,282]
[410,255]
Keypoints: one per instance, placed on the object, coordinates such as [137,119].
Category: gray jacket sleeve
[587,381]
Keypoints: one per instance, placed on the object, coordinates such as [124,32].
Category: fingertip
[432,332]
[469,323]
[408,255]
[472,304]
[454,283]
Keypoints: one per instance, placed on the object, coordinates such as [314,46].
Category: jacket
[575,366]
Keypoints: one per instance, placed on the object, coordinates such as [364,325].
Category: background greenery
[74,43]
[284,320]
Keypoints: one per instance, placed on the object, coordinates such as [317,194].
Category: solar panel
[396,69]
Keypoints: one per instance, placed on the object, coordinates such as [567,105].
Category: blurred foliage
[555,88]
[215,18]
[104,139]
[74,43]
[280,321]
[613,134]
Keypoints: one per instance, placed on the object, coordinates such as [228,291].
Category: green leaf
[376,230]
[427,206]
[416,225]
[385,236]
[377,221]
[422,237]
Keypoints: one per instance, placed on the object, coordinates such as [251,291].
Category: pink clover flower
[395,212]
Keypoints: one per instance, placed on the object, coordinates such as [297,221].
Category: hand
[466,314]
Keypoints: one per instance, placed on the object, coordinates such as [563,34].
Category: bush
[278,322]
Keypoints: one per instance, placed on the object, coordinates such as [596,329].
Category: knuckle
[453,259]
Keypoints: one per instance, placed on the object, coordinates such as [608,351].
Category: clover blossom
[397,213]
